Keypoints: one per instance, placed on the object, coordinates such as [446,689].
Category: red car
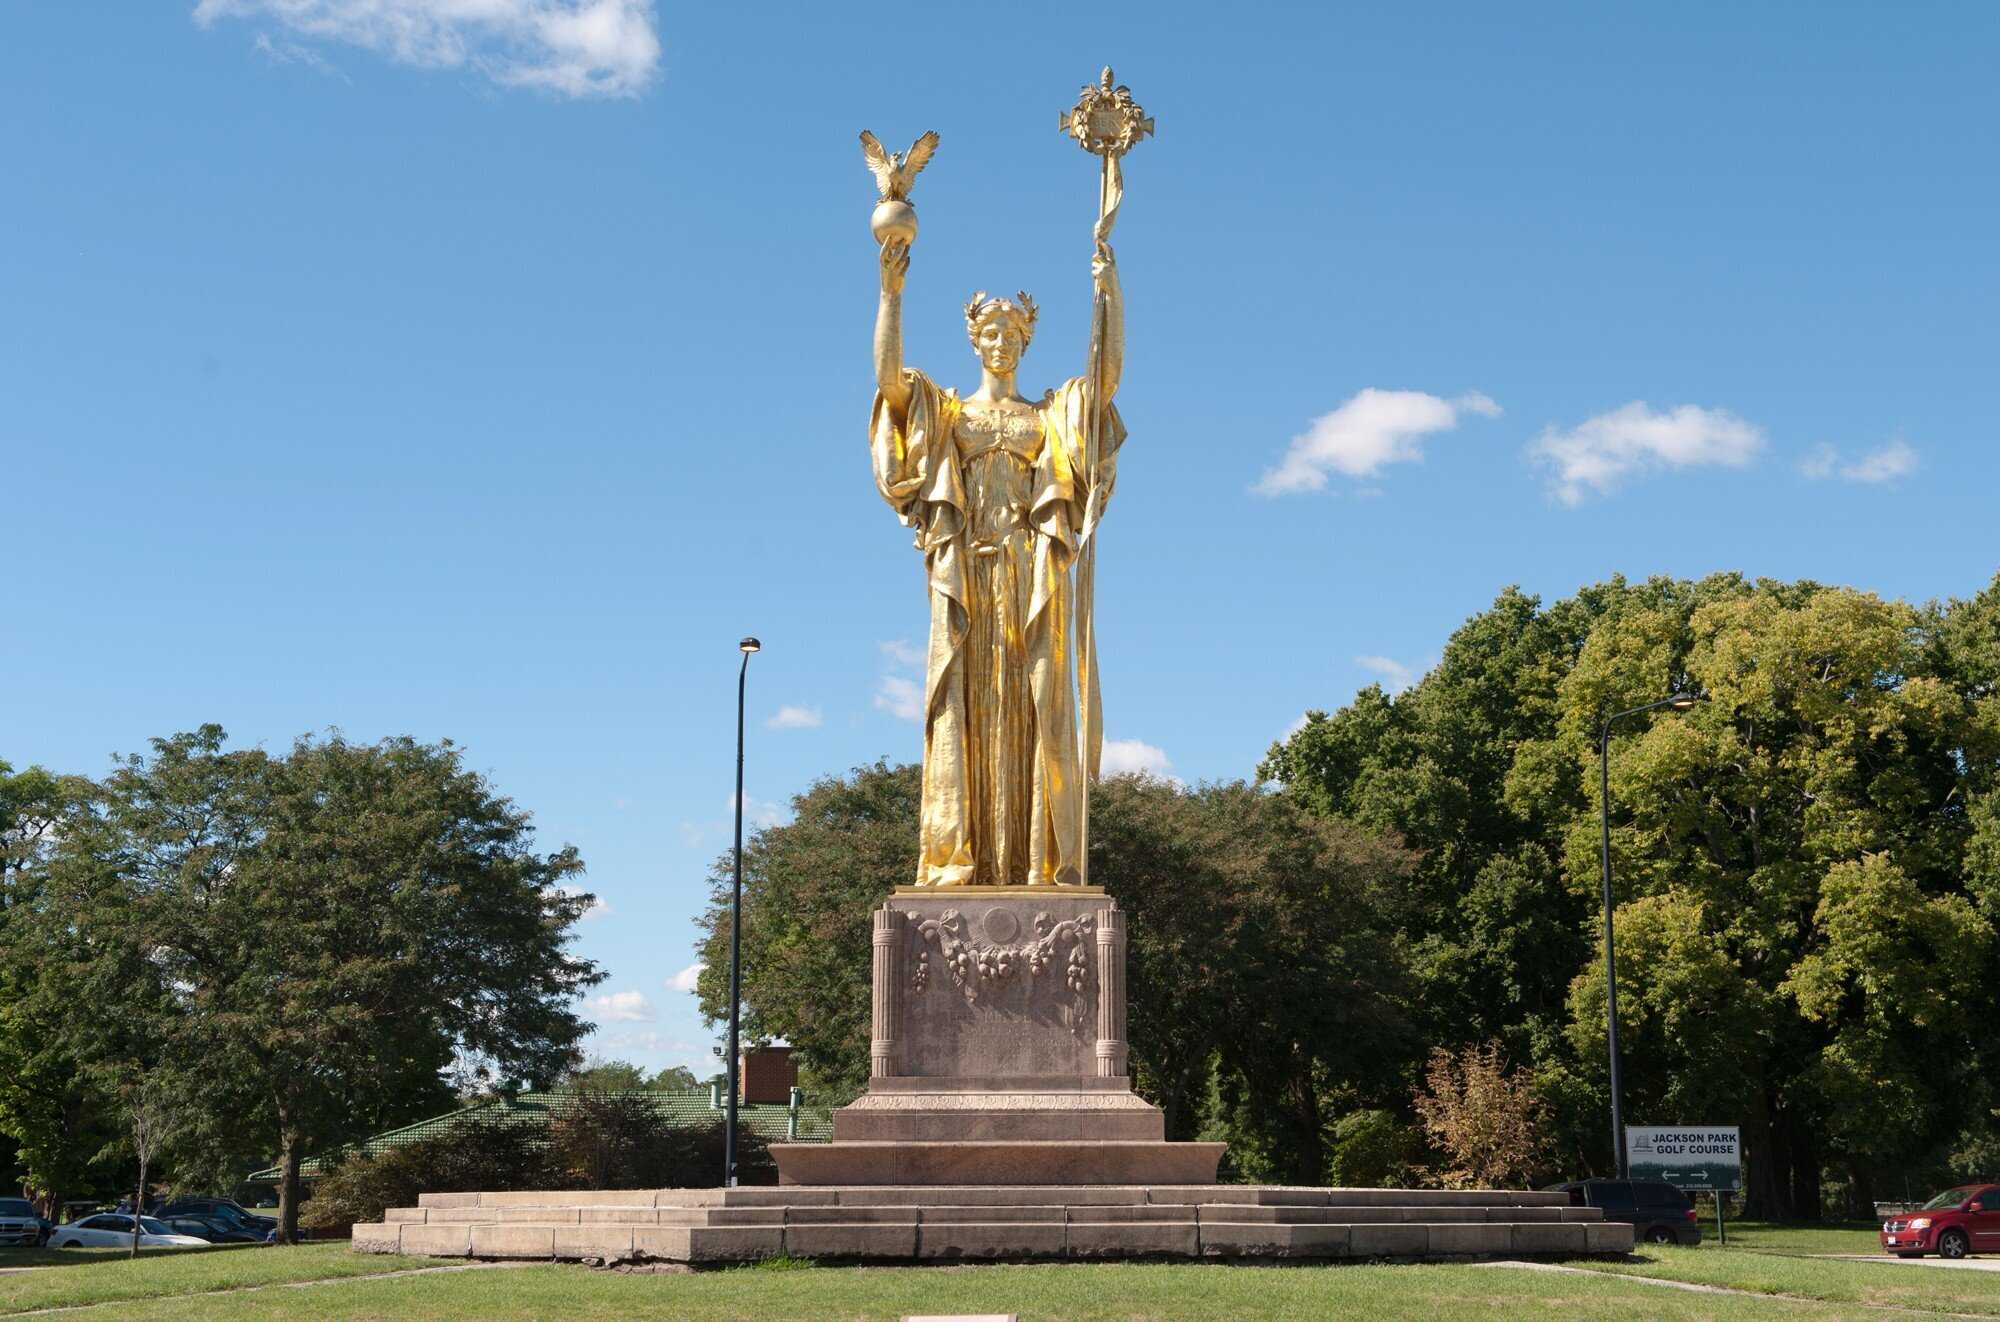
[1956,1223]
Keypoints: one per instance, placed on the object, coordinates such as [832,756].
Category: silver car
[18,1222]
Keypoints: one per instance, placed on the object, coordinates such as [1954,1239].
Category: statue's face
[1000,341]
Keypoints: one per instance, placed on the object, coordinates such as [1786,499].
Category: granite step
[944,1214]
[944,1223]
[886,1240]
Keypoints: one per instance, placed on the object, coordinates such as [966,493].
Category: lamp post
[1679,702]
[747,646]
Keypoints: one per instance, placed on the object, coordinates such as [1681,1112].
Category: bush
[622,1141]
[595,1140]
[1373,1150]
[491,1154]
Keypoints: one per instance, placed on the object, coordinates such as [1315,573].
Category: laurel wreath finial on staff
[1106,121]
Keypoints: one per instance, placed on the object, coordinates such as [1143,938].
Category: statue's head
[1000,329]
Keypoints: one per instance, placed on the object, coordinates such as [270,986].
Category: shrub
[485,1154]
[1487,1122]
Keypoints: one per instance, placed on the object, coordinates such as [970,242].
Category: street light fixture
[747,646]
[1679,702]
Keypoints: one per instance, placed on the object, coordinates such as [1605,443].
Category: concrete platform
[955,1223]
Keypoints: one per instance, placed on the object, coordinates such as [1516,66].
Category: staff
[1107,123]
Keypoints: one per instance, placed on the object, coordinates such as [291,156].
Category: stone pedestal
[998,1052]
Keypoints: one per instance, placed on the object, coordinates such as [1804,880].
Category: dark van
[1659,1213]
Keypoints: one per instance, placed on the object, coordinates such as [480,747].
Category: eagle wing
[919,156]
[878,160]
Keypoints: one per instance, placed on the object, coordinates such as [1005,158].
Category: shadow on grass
[90,1257]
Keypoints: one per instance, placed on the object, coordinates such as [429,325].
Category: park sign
[1705,1157]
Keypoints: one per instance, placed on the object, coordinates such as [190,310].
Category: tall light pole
[747,646]
[1679,702]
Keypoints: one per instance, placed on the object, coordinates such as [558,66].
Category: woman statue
[999,489]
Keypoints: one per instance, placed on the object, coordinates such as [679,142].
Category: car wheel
[67,1244]
[1659,1235]
[1954,1244]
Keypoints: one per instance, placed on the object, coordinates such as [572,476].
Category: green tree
[1836,727]
[808,888]
[318,935]
[1261,947]
[61,1121]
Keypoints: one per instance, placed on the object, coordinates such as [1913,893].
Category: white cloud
[1372,430]
[684,981]
[1395,675]
[1601,452]
[759,814]
[598,907]
[283,51]
[626,1007]
[791,717]
[570,47]
[1127,756]
[1897,459]
[901,652]
[901,697]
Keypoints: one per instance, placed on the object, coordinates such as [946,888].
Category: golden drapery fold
[975,707]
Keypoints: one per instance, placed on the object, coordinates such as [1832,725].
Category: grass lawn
[1761,1258]
[1780,1263]
[1770,1237]
[1071,1293]
[91,1276]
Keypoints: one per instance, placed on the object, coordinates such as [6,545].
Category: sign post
[1707,1158]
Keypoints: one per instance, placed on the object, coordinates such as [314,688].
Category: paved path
[1988,1264]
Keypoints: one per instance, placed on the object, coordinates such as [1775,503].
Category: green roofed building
[777,1122]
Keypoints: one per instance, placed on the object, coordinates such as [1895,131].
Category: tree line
[1807,889]
[213,956]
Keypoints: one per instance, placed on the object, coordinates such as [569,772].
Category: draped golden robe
[998,502]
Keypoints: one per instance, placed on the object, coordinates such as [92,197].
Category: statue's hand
[895,265]
[1104,270]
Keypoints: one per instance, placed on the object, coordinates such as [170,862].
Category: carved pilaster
[1111,993]
[884,1051]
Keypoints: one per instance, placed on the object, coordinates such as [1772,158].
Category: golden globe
[894,219]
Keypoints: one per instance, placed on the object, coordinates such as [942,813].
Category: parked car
[1659,1213]
[225,1209]
[110,1230]
[215,1230]
[20,1223]
[1956,1224]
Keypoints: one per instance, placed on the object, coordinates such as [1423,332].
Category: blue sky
[374,367]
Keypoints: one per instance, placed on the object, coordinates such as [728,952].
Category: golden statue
[1004,492]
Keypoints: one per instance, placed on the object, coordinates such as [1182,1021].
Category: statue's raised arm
[895,226]
[889,327]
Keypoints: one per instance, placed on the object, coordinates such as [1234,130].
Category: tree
[1835,728]
[600,1075]
[317,935]
[152,1114]
[60,1120]
[808,889]
[1488,1122]
[1261,946]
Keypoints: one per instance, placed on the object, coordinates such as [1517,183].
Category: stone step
[973,1213]
[952,1238]
[998,1195]
[996,1161]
